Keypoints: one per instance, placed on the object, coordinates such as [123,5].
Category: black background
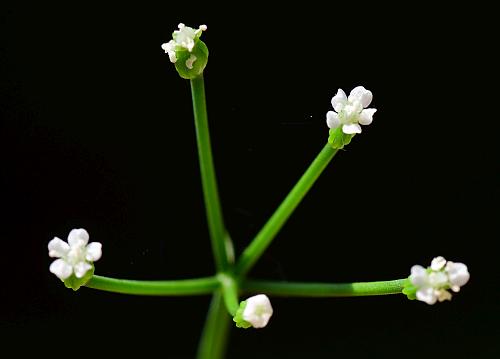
[96,132]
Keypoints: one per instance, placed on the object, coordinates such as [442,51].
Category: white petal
[172,57]
[185,37]
[78,237]
[188,44]
[458,274]
[258,311]
[366,116]
[339,100]
[61,269]
[427,295]
[362,95]
[332,119]
[166,47]
[58,248]
[169,49]
[438,279]
[94,251]
[81,268]
[418,276]
[438,263]
[351,128]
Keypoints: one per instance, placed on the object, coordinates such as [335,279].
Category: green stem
[221,242]
[215,332]
[197,286]
[264,238]
[304,289]
[230,292]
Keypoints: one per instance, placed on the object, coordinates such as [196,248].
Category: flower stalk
[311,289]
[266,235]
[196,286]
[221,242]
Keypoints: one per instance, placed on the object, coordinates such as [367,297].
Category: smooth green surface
[230,292]
[338,139]
[305,289]
[215,333]
[220,240]
[207,285]
[264,238]
[197,286]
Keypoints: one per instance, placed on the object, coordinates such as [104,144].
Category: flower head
[187,51]
[258,311]
[254,312]
[350,112]
[431,284]
[74,257]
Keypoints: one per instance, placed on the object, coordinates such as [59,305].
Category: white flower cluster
[351,111]
[258,310]
[432,283]
[184,38]
[75,256]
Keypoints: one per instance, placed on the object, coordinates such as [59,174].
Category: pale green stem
[215,333]
[230,292]
[305,289]
[196,286]
[264,238]
[221,242]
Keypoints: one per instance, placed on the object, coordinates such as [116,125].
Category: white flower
[184,38]
[258,310]
[351,111]
[432,283]
[75,256]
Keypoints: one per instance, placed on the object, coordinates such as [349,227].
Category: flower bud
[187,51]
[254,312]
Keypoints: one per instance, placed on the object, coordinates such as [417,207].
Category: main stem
[216,330]
[264,238]
[197,286]
[221,243]
[305,289]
